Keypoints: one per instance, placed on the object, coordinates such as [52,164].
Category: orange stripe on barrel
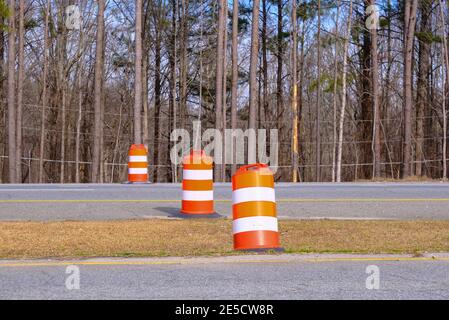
[138,177]
[137,164]
[197,207]
[253,209]
[254,178]
[138,152]
[197,166]
[260,239]
[197,185]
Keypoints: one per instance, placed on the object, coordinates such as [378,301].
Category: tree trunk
[343,95]
[294,93]
[335,95]
[183,63]
[99,75]
[318,101]
[11,94]
[44,95]
[157,92]
[20,79]
[280,53]
[409,34]
[386,99]
[445,64]
[219,82]
[264,35]
[224,87]
[63,122]
[61,84]
[80,115]
[172,174]
[253,81]
[375,97]
[2,110]
[300,90]
[145,123]
[235,76]
[138,79]
[366,103]
[423,84]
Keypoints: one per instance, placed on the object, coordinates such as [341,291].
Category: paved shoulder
[306,200]
[241,277]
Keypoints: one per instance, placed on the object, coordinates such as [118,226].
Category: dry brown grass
[213,237]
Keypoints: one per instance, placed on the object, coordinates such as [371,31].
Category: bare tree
[445,64]
[80,101]
[294,92]
[61,84]
[157,85]
[253,80]
[219,80]
[280,63]
[409,34]
[183,61]
[138,73]
[422,82]
[145,83]
[173,84]
[11,94]
[98,93]
[235,75]
[318,100]
[375,93]
[344,92]
[263,102]
[20,79]
[335,95]
[224,87]
[44,94]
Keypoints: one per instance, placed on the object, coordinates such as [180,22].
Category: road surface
[239,277]
[307,200]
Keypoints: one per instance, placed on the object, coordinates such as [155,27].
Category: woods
[355,92]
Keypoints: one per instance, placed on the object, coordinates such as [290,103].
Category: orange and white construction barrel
[255,224]
[138,164]
[197,184]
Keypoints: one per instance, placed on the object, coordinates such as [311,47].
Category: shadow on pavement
[176,213]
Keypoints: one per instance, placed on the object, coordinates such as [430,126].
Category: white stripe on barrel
[137,170]
[257,223]
[197,195]
[197,174]
[253,194]
[137,158]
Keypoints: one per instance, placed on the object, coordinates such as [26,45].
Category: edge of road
[285,184]
[237,259]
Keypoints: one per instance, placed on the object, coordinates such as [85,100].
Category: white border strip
[253,194]
[255,224]
[197,174]
[197,195]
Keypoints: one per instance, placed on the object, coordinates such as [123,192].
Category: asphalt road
[242,277]
[306,200]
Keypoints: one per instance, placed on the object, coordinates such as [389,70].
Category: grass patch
[139,238]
